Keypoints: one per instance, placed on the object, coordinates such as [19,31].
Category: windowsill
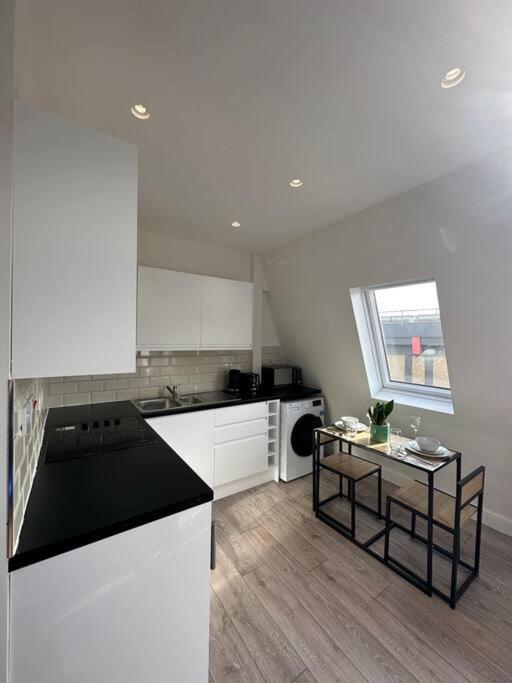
[437,405]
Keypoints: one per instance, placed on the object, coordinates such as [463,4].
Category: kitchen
[181,375]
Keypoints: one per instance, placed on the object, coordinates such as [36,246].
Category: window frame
[371,338]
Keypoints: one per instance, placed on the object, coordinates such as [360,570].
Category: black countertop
[82,500]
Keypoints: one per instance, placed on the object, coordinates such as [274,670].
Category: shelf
[272,440]
[273,414]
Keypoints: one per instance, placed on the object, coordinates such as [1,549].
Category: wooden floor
[292,600]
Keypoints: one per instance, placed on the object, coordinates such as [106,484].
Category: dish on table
[441,452]
[360,427]
[427,444]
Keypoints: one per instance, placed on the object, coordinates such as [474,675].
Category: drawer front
[239,459]
[249,411]
[240,430]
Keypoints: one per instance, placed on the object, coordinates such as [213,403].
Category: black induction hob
[94,437]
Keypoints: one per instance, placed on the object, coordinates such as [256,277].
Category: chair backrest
[470,486]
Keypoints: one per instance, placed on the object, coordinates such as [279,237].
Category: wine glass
[415,425]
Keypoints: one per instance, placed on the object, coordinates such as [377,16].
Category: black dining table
[419,463]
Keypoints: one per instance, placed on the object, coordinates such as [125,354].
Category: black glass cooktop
[94,437]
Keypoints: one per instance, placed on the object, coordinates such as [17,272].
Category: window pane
[412,334]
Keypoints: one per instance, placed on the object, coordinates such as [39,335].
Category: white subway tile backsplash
[63,388]
[148,392]
[127,394]
[26,446]
[138,382]
[158,361]
[109,384]
[54,401]
[271,355]
[94,385]
[158,381]
[77,399]
[102,396]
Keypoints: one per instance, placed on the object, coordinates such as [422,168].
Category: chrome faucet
[173,390]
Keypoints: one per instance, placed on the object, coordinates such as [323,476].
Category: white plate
[360,427]
[441,452]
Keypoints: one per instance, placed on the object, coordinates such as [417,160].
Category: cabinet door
[132,607]
[74,249]
[227,314]
[168,309]
[191,436]
[238,459]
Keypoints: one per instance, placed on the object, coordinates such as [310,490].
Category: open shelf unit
[273,418]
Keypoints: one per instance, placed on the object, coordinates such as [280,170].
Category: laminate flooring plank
[357,642]
[234,545]
[359,565]
[230,660]
[432,621]
[297,547]
[305,677]
[421,661]
[322,656]
[272,652]
[253,625]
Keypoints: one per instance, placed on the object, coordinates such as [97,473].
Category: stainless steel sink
[155,405]
[158,404]
[189,400]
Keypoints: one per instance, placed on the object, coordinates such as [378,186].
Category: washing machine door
[302,434]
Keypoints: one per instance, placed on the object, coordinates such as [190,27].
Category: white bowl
[427,444]
[347,419]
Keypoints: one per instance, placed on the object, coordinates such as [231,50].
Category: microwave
[280,375]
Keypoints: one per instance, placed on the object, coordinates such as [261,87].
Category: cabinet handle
[213,549]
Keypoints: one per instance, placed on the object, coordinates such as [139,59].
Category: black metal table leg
[430,532]
[316,472]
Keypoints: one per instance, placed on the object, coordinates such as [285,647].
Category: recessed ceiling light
[453,77]
[296,182]
[140,111]
[235,224]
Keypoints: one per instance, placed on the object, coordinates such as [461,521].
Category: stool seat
[415,495]
[350,466]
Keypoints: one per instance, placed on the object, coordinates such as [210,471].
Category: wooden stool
[450,514]
[353,469]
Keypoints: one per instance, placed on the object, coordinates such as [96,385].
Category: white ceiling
[247,94]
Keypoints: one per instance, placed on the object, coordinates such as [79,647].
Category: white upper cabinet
[168,310]
[227,314]
[74,249]
[185,311]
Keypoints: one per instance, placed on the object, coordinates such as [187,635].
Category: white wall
[6,105]
[269,335]
[166,251]
[456,229]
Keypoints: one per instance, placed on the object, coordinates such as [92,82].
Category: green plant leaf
[388,408]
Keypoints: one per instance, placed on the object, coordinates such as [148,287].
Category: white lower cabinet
[129,608]
[222,446]
[238,459]
[191,436]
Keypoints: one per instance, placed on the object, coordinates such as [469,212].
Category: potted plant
[379,425]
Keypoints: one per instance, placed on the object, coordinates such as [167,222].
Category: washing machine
[298,419]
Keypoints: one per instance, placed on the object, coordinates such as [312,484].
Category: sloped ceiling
[246,95]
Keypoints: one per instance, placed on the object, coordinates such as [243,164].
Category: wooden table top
[362,440]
